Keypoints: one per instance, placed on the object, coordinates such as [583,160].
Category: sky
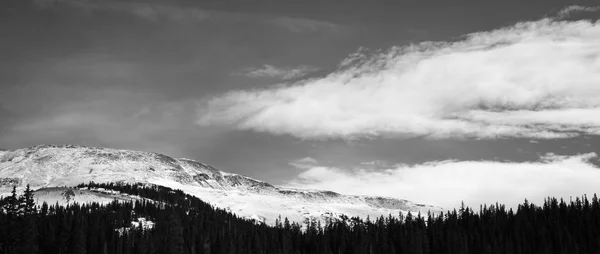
[474,101]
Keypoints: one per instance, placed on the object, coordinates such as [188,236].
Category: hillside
[47,166]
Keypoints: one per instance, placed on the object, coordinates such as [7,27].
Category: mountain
[45,167]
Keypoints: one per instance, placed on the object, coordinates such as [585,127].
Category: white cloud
[447,183]
[566,12]
[284,73]
[534,80]
[304,163]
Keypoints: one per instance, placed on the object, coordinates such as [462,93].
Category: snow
[247,204]
[65,195]
[140,223]
[256,218]
[47,166]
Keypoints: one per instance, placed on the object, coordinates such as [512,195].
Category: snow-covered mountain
[47,166]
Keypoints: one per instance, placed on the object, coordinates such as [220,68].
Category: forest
[184,224]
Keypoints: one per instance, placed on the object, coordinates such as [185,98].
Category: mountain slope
[65,195]
[47,166]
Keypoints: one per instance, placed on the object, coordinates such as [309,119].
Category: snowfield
[45,167]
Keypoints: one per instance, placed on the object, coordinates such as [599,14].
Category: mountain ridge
[45,166]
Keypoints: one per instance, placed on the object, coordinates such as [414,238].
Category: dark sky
[136,75]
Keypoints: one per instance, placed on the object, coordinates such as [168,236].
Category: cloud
[375,163]
[447,183]
[161,11]
[535,79]
[304,163]
[304,25]
[146,10]
[566,12]
[284,73]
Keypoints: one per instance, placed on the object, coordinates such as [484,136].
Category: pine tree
[29,232]
[12,203]
[62,232]
[77,240]
[28,203]
[565,227]
[11,208]
[175,242]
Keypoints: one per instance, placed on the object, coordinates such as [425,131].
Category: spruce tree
[175,241]
[29,232]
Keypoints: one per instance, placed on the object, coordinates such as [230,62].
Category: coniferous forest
[185,224]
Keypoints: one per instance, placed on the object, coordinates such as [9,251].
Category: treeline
[185,224]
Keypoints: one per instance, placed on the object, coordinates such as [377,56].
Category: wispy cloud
[375,164]
[447,183]
[147,10]
[533,80]
[284,73]
[304,25]
[304,163]
[566,12]
[172,11]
